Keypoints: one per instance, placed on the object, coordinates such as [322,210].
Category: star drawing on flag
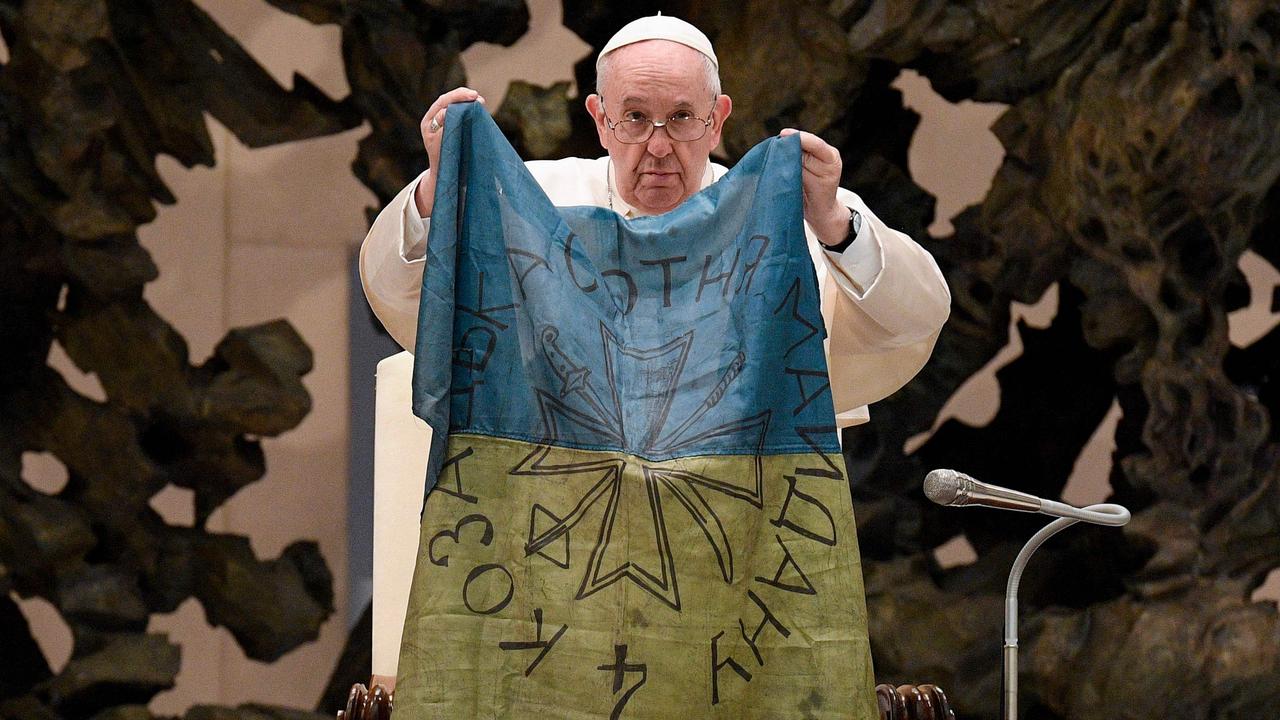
[633,486]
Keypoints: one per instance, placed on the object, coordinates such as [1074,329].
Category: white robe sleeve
[391,264]
[884,301]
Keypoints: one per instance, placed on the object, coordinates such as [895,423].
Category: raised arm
[884,299]
[432,127]
[391,265]
[884,303]
[391,258]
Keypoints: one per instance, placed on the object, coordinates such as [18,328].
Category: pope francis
[537,617]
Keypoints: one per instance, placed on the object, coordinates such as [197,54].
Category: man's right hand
[432,135]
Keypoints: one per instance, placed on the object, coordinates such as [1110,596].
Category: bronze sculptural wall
[92,93]
[1140,164]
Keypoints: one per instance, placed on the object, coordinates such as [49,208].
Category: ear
[721,111]
[596,108]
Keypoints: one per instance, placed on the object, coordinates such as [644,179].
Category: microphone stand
[1101,514]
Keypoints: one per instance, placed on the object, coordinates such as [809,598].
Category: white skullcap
[661,27]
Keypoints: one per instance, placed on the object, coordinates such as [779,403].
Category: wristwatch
[855,224]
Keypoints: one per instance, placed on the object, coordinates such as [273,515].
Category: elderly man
[659,113]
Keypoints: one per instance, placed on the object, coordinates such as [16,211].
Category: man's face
[656,79]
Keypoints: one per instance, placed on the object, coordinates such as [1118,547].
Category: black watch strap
[855,224]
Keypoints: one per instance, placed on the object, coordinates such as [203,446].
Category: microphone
[953,488]
[949,487]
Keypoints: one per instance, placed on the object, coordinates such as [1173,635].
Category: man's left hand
[822,210]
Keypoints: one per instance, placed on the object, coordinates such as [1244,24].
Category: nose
[659,143]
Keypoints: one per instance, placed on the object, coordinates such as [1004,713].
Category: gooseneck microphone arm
[948,487]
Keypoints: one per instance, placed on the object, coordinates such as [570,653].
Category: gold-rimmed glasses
[681,126]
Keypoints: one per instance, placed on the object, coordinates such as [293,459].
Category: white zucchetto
[661,27]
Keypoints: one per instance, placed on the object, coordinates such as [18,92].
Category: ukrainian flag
[637,506]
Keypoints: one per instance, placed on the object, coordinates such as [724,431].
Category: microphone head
[943,486]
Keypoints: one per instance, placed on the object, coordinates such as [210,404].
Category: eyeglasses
[682,126]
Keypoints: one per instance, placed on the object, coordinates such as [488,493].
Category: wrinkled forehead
[653,67]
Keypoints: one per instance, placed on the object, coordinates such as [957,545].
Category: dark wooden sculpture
[91,93]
